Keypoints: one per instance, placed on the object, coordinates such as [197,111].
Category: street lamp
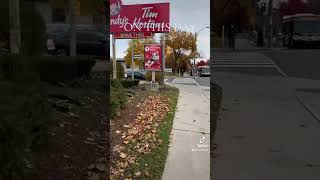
[195,38]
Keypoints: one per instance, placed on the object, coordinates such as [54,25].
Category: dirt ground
[77,148]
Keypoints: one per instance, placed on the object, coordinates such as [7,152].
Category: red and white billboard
[137,35]
[140,18]
[152,57]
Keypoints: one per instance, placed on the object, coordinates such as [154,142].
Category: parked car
[137,75]
[91,40]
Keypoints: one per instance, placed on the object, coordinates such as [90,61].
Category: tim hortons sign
[154,18]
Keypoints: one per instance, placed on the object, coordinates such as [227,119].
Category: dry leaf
[123,155]
[138,173]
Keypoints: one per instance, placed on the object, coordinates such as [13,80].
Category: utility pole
[270,23]
[195,50]
[73,36]
[15,34]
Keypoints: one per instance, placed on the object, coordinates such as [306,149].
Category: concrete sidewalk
[265,132]
[191,129]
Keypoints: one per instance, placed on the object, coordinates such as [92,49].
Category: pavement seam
[308,107]
[200,132]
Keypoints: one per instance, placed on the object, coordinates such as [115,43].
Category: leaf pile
[140,137]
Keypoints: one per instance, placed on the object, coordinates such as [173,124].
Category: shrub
[159,77]
[16,68]
[118,98]
[47,68]
[53,68]
[129,83]
[120,71]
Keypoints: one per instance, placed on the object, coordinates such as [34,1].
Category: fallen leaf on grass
[123,155]
[133,131]
[138,173]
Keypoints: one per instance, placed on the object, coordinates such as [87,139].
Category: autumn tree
[138,47]
[182,44]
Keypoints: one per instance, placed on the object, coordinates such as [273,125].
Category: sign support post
[153,76]
[114,61]
[132,61]
[163,56]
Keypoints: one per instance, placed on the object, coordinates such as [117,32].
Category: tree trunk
[73,37]
[15,35]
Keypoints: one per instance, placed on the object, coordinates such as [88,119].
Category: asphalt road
[299,63]
[203,81]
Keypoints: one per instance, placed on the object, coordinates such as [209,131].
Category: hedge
[127,83]
[118,98]
[46,68]
[120,71]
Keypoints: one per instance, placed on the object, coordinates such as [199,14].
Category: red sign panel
[132,35]
[140,18]
[152,57]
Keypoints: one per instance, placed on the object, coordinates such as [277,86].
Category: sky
[190,15]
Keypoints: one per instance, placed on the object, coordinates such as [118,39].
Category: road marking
[244,60]
[278,68]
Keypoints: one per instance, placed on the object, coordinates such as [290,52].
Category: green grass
[157,158]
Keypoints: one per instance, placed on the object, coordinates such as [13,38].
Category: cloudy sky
[190,15]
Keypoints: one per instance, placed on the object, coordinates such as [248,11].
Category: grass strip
[154,162]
